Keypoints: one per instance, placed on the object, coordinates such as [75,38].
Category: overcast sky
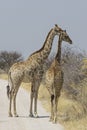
[24,24]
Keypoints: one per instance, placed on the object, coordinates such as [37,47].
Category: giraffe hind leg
[31,101]
[52,107]
[10,101]
[14,101]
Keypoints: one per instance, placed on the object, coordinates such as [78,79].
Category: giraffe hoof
[54,121]
[10,115]
[51,119]
[36,115]
[16,115]
[31,115]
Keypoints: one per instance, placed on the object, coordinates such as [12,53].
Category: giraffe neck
[44,52]
[58,55]
[48,44]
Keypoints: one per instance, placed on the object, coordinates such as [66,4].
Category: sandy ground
[23,122]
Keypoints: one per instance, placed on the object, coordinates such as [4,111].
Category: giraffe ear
[56,25]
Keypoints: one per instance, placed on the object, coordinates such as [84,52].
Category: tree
[9,58]
[72,65]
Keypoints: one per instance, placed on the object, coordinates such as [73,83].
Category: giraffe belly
[27,78]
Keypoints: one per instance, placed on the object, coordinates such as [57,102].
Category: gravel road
[23,122]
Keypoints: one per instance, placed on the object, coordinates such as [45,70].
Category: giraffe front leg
[31,102]
[36,88]
[35,105]
[55,110]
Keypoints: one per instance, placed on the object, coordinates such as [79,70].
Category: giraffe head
[63,36]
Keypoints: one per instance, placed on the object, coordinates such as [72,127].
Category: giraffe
[29,71]
[54,76]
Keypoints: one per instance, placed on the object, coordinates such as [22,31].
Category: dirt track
[23,122]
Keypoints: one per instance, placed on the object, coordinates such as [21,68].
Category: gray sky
[24,24]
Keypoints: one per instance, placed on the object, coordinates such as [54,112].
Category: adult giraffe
[30,71]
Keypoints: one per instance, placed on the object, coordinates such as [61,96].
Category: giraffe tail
[8,86]
[8,91]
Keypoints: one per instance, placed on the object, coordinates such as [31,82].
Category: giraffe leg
[31,101]
[37,84]
[52,112]
[35,104]
[10,102]
[10,113]
[55,109]
[14,101]
[14,105]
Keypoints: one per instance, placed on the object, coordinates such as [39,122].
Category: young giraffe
[54,76]
[30,71]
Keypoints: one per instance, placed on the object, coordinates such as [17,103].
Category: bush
[9,58]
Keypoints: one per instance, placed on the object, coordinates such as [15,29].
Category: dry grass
[79,124]
[4,76]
